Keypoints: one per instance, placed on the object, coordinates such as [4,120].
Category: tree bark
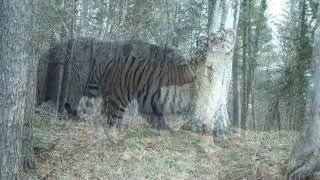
[15,57]
[28,160]
[235,91]
[215,77]
[251,66]
[273,119]
[135,18]
[244,97]
[305,160]
[302,60]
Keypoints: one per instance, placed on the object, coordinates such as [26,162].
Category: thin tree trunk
[136,19]
[273,116]
[65,70]
[15,57]
[244,99]
[301,67]
[251,67]
[249,63]
[235,91]
[263,7]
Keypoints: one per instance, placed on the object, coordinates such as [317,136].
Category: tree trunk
[15,57]
[137,14]
[215,77]
[272,120]
[235,91]
[251,67]
[305,160]
[302,60]
[244,99]
[28,161]
[65,69]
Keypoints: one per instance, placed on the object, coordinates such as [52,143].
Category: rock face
[63,73]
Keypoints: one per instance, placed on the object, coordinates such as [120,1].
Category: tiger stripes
[127,78]
[119,72]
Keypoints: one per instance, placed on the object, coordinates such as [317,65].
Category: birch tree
[15,57]
[215,76]
[305,160]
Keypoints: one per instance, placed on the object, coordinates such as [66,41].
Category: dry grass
[70,150]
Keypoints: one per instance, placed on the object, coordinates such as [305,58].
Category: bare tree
[15,57]
[305,160]
[214,78]
[244,89]
[235,91]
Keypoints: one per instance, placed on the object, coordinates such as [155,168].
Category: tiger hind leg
[158,121]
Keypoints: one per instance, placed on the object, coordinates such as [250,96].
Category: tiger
[127,78]
[119,71]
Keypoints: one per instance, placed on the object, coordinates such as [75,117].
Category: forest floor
[79,150]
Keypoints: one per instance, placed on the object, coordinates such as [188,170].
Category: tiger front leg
[114,121]
[114,110]
[114,115]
